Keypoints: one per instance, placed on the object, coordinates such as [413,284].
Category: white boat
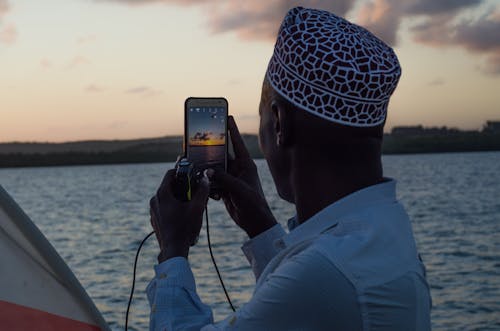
[38,291]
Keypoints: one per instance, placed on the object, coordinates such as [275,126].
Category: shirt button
[162,275]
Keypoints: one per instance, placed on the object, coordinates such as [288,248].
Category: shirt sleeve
[261,249]
[173,300]
[306,292]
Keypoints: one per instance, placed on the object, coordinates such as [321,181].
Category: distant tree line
[168,149]
[470,141]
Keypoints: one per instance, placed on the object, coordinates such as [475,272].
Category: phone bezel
[205,102]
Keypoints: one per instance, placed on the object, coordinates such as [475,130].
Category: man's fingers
[153,207]
[165,189]
[152,204]
[239,147]
[153,210]
[229,183]
[231,165]
[201,195]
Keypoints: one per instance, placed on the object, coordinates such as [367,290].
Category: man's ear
[282,124]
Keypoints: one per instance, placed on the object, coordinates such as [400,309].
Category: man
[349,261]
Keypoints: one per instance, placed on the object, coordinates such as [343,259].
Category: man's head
[325,95]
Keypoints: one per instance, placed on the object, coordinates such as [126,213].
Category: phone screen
[206,125]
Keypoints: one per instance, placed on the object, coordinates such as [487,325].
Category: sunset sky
[118,69]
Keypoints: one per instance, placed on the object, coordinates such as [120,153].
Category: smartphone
[205,133]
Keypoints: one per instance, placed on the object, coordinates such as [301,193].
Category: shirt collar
[330,215]
[292,223]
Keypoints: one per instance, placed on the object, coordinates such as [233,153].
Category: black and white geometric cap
[333,68]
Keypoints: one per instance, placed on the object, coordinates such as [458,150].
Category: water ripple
[96,216]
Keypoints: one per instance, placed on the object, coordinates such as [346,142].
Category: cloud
[492,66]
[86,39]
[254,20]
[382,17]
[480,36]
[137,90]
[4,7]
[45,63]
[92,88]
[440,22]
[433,7]
[433,31]
[117,125]
[476,36]
[77,61]
[495,15]
[436,82]
[441,25]
[8,34]
[261,19]
[145,91]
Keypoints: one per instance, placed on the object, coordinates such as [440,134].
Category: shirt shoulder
[310,289]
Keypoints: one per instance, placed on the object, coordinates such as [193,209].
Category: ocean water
[96,216]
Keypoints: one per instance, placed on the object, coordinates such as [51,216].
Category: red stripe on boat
[15,318]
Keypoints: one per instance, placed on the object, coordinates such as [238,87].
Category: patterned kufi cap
[333,68]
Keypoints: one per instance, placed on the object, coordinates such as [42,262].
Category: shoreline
[166,149]
[69,164]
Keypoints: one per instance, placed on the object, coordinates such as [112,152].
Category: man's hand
[177,224]
[241,189]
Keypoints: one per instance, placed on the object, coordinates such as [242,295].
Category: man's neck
[325,185]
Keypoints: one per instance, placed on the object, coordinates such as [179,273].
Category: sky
[119,69]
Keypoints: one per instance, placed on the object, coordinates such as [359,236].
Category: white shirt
[352,266]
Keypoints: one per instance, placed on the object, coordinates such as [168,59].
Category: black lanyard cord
[211,255]
[133,278]
[215,264]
